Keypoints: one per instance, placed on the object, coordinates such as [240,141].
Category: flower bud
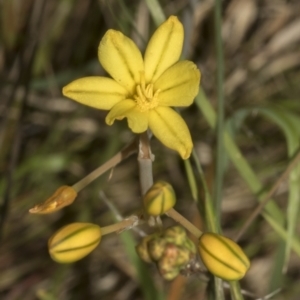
[169,253]
[168,274]
[159,198]
[173,260]
[176,235]
[167,268]
[189,244]
[73,242]
[223,257]
[63,196]
[142,249]
[156,248]
[183,257]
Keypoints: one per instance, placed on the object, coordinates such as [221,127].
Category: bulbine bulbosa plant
[143,89]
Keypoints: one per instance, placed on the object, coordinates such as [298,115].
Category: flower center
[145,97]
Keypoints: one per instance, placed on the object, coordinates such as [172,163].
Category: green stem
[208,205]
[268,196]
[220,113]
[235,290]
[156,11]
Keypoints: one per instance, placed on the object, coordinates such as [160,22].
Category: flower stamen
[145,97]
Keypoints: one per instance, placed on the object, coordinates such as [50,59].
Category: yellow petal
[179,84]
[137,121]
[97,92]
[171,130]
[164,48]
[121,58]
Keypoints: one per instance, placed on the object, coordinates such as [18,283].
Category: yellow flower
[143,89]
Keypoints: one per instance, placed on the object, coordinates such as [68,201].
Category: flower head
[143,89]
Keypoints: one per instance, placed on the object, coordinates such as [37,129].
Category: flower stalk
[146,179]
[119,227]
[112,162]
[66,195]
[176,216]
[145,159]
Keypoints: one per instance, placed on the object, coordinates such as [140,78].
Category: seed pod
[159,198]
[73,242]
[63,196]
[223,257]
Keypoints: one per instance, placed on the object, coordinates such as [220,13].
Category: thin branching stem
[268,196]
[125,224]
[219,294]
[220,112]
[112,162]
[176,216]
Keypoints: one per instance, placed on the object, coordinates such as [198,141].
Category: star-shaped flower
[143,90]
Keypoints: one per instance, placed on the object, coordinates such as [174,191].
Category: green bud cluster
[170,250]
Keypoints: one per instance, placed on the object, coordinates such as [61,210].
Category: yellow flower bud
[63,196]
[223,257]
[159,198]
[74,241]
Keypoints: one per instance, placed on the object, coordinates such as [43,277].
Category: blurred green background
[47,141]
